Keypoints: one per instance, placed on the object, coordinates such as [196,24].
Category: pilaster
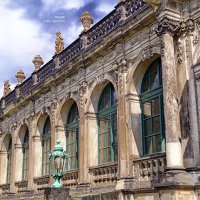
[166,29]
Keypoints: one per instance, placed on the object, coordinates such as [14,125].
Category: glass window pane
[157,143]
[155,106]
[148,145]
[156,125]
[147,109]
[154,67]
[108,155]
[154,80]
[147,127]
[146,85]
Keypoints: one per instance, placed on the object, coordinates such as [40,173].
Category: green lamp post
[58,160]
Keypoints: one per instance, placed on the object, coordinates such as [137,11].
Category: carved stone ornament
[86,20]
[6,88]
[38,62]
[154,3]
[59,43]
[20,77]
[197,77]
[167,25]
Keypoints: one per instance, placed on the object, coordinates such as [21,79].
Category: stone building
[124,98]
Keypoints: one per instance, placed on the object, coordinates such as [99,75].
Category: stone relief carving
[154,3]
[147,52]
[197,77]
[167,25]
[179,52]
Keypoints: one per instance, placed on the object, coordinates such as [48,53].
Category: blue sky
[28,28]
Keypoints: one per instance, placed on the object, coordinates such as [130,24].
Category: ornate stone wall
[131,37]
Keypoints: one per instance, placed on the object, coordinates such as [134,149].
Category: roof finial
[86,20]
[38,62]
[20,77]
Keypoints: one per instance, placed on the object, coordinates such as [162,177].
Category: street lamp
[58,160]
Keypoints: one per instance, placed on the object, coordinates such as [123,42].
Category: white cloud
[64,4]
[105,7]
[20,40]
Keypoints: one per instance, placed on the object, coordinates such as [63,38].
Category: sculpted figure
[154,3]
[59,43]
[6,88]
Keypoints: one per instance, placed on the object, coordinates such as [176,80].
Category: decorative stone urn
[20,77]
[86,20]
[38,62]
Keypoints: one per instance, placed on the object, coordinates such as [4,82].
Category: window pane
[155,107]
[147,109]
[154,80]
[148,145]
[154,67]
[108,155]
[147,127]
[157,143]
[146,85]
[156,125]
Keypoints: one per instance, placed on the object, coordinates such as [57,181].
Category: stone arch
[134,81]
[91,119]
[37,146]
[64,109]
[3,156]
[95,91]
[19,151]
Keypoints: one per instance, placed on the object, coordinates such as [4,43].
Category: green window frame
[9,160]
[46,147]
[25,151]
[107,126]
[72,129]
[152,110]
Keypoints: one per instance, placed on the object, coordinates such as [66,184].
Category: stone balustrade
[5,188]
[22,186]
[41,183]
[70,179]
[149,168]
[101,175]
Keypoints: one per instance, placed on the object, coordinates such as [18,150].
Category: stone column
[3,164]
[122,126]
[18,162]
[83,172]
[32,126]
[166,29]
[13,165]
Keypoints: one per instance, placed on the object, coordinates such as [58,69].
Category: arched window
[46,147]
[152,110]
[72,138]
[9,157]
[25,150]
[107,125]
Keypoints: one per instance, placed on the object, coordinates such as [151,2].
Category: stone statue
[6,88]
[59,43]
[154,3]
[86,20]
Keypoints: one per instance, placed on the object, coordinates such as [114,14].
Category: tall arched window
[152,110]
[25,150]
[72,138]
[107,125]
[46,147]
[9,157]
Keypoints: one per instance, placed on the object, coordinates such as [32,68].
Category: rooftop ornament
[86,20]
[58,160]
[20,77]
[59,43]
[38,62]
[6,88]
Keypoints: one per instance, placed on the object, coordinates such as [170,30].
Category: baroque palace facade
[124,99]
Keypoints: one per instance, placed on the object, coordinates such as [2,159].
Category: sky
[28,28]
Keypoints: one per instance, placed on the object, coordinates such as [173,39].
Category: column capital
[166,25]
